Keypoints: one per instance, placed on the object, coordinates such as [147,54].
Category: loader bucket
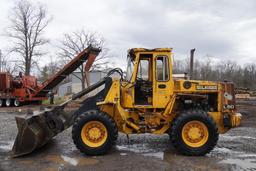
[37,130]
[39,127]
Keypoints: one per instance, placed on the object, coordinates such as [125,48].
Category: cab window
[143,70]
[162,68]
[130,67]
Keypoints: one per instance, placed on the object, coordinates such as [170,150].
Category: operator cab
[148,71]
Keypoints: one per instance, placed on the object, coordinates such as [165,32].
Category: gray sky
[222,29]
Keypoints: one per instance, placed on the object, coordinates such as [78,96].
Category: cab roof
[133,50]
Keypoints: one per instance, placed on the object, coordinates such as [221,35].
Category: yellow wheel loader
[146,99]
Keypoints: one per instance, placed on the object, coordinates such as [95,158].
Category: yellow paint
[162,106]
[218,118]
[236,119]
[195,134]
[94,134]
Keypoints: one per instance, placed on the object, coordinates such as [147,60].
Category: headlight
[227,106]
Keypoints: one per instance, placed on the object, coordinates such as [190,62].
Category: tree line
[244,76]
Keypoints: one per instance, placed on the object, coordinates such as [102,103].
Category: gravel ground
[235,150]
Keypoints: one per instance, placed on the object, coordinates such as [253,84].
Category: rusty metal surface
[26,88]
[40,127]
[5,81]
[30,135]
[66,70]
[37,130]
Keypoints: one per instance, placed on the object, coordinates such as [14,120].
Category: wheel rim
[195,133]
[16,102]
[8,102]
[94,134]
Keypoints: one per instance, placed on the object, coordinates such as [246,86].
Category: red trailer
[16,90]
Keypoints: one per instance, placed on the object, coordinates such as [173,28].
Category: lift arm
[38,128]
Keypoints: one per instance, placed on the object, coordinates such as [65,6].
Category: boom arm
[89,54]
[42,126]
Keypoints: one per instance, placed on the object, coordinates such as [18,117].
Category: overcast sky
[222,29]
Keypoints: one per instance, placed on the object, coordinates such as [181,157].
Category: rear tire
[1,102]
[94,132]
[194,133]
[8,102]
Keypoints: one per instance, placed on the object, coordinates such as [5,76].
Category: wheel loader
[146,99]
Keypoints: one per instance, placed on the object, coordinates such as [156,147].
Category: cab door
[163,83]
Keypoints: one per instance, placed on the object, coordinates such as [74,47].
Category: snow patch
[136,148]
[159,155]
[228,137]
[225,150]
[70,160]
[245,164]
[141,149]
[6,145]
[234,154]
[247,155]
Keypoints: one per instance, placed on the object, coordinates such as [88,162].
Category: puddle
[26,162]
[136,148]
[248,155]
[87,161]
[123,154]
[159,155]
[142,149]
[78,161]
[53,169]
[240,160]
[228,137]
[246,164]
[223,150]
[70,160]
[6,145]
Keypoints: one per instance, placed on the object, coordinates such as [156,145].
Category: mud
[235,150]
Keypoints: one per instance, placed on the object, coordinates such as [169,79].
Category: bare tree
[49,69]
[207,69]
[7,65]
[75,42]
[249,79]
[28,21]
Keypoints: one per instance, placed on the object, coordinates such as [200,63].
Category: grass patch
[57,100]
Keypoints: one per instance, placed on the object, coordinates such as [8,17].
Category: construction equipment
[20,89]
[147,100]
[17,90]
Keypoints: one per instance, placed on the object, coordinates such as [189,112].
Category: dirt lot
[235,150]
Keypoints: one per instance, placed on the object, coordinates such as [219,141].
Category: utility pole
[192,51]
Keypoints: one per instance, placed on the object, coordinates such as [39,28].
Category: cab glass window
[162,68]
[143,70]
[130,66]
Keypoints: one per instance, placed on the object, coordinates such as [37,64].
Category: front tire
[194,133]
[94,132]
